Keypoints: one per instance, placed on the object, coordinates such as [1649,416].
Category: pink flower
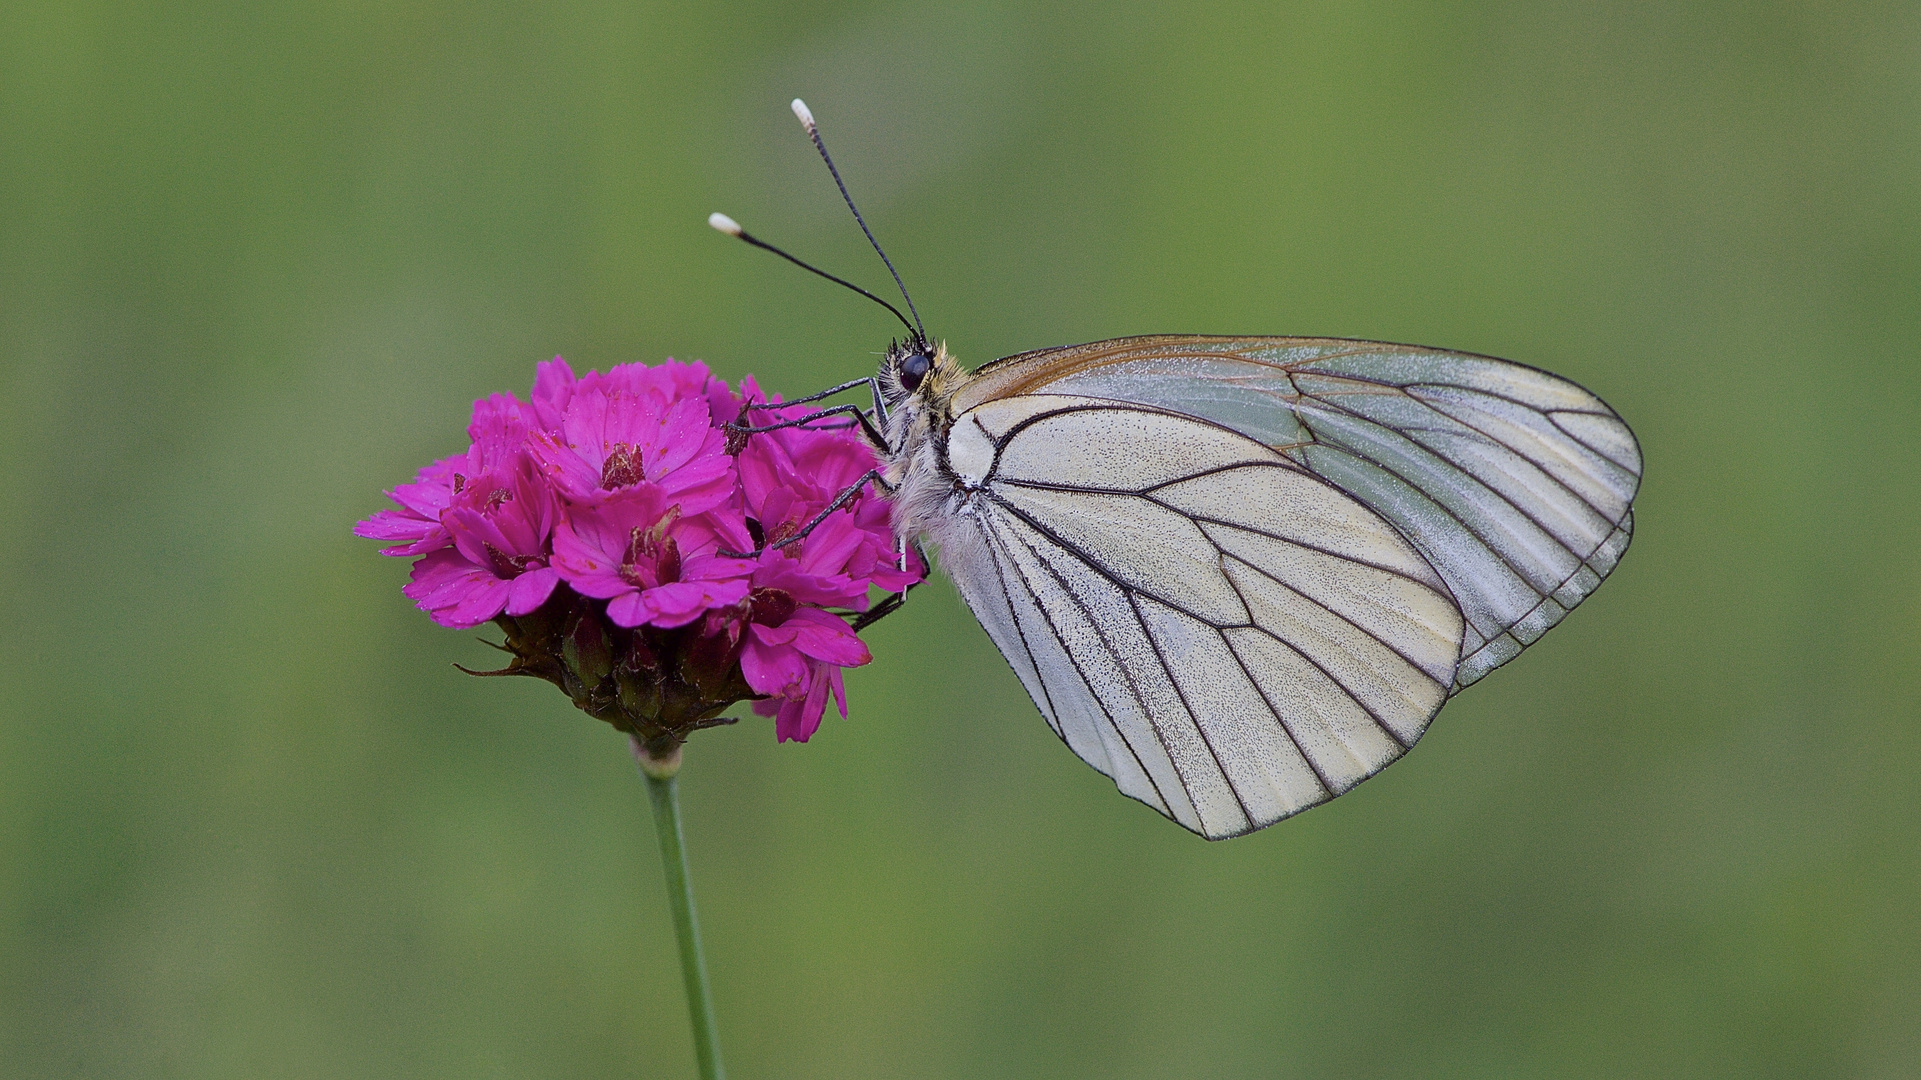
[794,655]
[591,518]
[499,523]
[654,564]
[616,433]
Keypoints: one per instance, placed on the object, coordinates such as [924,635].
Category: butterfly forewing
[1229,637]
[1514,484]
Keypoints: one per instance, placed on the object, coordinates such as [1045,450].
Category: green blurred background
[256,260]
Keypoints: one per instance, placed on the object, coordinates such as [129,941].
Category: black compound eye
[913,368]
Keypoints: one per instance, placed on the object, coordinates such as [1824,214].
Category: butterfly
[1240,575]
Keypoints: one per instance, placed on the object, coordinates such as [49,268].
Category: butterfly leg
[901,547]
[892,602]
[739,430]
[846,496]
[827,393]
[888,605]
[878,412]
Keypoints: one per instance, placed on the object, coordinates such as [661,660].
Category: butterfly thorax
[919,382]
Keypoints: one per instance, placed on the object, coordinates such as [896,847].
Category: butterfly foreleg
[827,393]
[867,428]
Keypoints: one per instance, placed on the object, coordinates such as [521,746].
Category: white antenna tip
[725,224]
[806,117]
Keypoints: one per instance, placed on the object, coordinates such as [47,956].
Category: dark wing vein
[1075,489]
[1518,573]
[1094,564]
[1020,631]
[1134,605]
[1316,664]
[1496,441]
[1591,448]
[1425,385]
[1132,690]
[1326,784]
[1402,574]
[1358,628]
[1477,481]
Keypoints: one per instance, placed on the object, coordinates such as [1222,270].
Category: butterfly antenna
[732,228]
[813,132]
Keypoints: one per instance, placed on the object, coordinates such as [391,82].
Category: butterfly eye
[913,368]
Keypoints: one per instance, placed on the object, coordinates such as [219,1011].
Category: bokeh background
[256,261]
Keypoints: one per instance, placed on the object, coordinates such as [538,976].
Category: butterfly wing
[1226,635]
[1516,485]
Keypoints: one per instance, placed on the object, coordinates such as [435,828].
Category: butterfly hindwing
[1227,636]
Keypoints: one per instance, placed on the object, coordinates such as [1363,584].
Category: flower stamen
[623,467]
[652,552]
[509,566]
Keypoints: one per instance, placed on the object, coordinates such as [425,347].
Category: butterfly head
[917,368]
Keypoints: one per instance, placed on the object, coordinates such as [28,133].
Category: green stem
[661,772]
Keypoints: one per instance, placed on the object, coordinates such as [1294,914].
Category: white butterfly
[1241,575]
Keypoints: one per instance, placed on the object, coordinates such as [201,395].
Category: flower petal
[840,690]
[771,669]
[826,637]
[531,589]
[473,534]
[419,534]
[798,720]
[681,602]
[565,468]
[553,388]
[627,609]
[480,603]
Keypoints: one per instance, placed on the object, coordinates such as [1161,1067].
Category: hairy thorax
[928,498]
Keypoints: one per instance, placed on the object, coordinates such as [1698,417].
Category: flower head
[641,563]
